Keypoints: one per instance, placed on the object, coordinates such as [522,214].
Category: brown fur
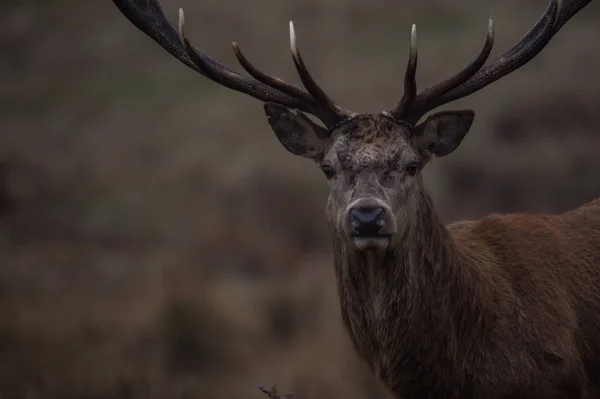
[504,307]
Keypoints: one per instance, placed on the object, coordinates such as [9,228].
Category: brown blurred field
[156,240]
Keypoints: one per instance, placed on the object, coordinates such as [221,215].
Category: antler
[475,77]
[147,16]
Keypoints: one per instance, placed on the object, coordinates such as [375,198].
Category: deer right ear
[298,134]
[441,133]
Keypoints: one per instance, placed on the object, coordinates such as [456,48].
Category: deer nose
[367,221]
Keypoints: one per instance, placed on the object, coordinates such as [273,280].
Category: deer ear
[441,133]
[298,134]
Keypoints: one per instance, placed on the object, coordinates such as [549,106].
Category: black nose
[367,221]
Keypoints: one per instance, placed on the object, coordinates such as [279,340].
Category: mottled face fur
[373,164]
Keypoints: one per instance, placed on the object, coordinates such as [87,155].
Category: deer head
[373,162]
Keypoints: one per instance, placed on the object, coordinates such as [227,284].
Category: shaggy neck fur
[413,312]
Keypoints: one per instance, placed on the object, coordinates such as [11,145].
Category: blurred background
[156,240]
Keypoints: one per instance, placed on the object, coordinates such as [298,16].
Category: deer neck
[413,309]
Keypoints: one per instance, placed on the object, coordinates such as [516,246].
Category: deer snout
[367,220]
[370,223]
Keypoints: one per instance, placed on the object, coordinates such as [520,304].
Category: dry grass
[156,241]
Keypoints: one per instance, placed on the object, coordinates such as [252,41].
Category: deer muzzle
[370,224]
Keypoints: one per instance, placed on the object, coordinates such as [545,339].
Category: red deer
[504,307]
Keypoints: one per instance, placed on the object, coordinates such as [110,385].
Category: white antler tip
[181,23]
[292,35]
[413,38]
[491,25]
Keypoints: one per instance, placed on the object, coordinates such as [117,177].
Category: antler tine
[438,89]
[272,81]
[410,79]
[148,17]
[313,88]
[205,64]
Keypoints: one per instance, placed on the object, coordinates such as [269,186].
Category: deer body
[504,307]
[477,311]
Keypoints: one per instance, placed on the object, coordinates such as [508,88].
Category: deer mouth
[371,242]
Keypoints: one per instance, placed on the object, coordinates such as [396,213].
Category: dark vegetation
[156,241]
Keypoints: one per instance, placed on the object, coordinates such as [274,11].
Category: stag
[502,307]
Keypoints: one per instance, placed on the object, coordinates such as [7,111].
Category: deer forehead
[379,154]
[355,153]
[369,139]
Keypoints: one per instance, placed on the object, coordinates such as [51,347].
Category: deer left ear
[442,132]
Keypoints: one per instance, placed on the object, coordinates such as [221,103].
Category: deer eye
[412,168]
[328,170]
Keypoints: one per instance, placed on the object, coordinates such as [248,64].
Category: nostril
[367,215]
[354,221]
[367,220]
